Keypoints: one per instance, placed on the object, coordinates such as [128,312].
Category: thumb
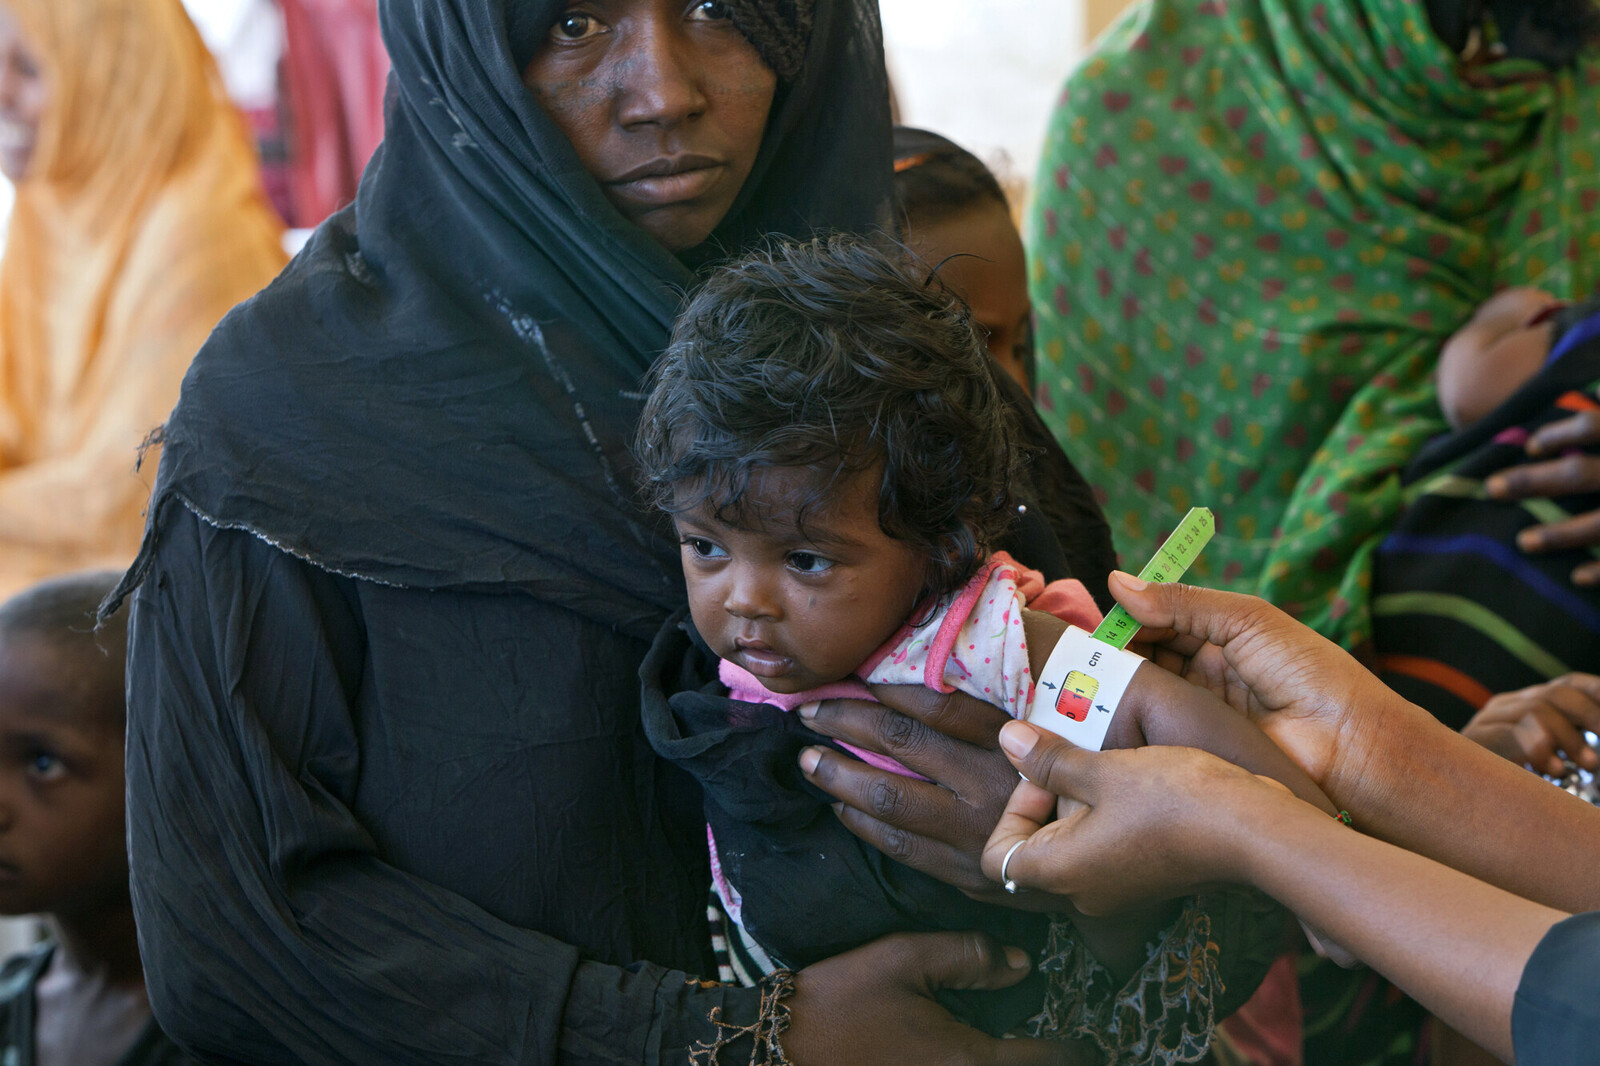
[961,960]
[1212,616]
[1048,761]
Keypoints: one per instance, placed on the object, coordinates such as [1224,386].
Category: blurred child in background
[954,215]
[78,999]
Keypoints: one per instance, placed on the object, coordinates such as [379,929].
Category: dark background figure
[78,998]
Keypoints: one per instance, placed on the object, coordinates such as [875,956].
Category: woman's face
[666,103]
[23,95]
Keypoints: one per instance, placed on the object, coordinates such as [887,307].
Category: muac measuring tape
[1087,673]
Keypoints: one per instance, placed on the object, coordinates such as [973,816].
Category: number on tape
[1169,563]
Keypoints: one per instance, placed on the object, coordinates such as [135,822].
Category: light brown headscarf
[139,223]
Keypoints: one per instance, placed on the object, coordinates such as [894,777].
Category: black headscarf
[438,390]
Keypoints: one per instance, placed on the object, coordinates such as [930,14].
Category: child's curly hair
[835,355]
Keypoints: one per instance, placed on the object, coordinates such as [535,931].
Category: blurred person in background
[1257,224]
[333,77]
[953,213]
[138,222]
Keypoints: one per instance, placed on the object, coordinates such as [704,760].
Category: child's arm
[1162,708]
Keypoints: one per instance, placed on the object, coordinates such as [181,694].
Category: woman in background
[384,716]
[1257,223]
[138,222]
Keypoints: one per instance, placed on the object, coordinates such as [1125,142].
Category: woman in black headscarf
[390,800]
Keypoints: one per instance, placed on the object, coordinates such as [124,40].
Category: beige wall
[1097,15]
[984,74]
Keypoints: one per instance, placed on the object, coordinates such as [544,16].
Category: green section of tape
[1175,556]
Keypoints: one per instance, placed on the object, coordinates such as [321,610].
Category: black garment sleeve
[1555,1019]
[272,928]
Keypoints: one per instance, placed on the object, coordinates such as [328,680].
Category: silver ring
[1006,882]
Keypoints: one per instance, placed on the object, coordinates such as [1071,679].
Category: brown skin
[990,272]
[892,1018]
[953,739]
[665,103]
[24,95]
[1534,726]
[1171,817]
[664,85]
[1519,853]
[1573,473]
[1481,365]
[1403,777]
[62,843]
[1494,354]
[797,606]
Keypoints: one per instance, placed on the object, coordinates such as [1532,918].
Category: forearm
[1162,708]
[1418,785]
[1455,944]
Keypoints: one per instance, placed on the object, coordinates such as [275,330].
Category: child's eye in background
[703,548]
[809,563]
[45,766]
[709,10]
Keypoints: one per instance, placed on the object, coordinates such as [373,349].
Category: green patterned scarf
[1256,223]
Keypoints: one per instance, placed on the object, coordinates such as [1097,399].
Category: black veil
[438,391]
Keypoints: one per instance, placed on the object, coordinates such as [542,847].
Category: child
[954,215]
[837,462]
[79,998]
[1465,601]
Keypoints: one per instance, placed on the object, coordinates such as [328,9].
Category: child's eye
[809,563]
[709,10]
[704,549]
[45,766]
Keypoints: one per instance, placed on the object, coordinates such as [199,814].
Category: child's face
[990,272]
[62,844]
[798,609]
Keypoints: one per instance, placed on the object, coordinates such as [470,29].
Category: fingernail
[1133,584]
[809,759]
[1586,578]
[838,808]
[1588,759]
[1018,738]
[1495,486]
[1529,540]
[808,711]
[1016,958]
